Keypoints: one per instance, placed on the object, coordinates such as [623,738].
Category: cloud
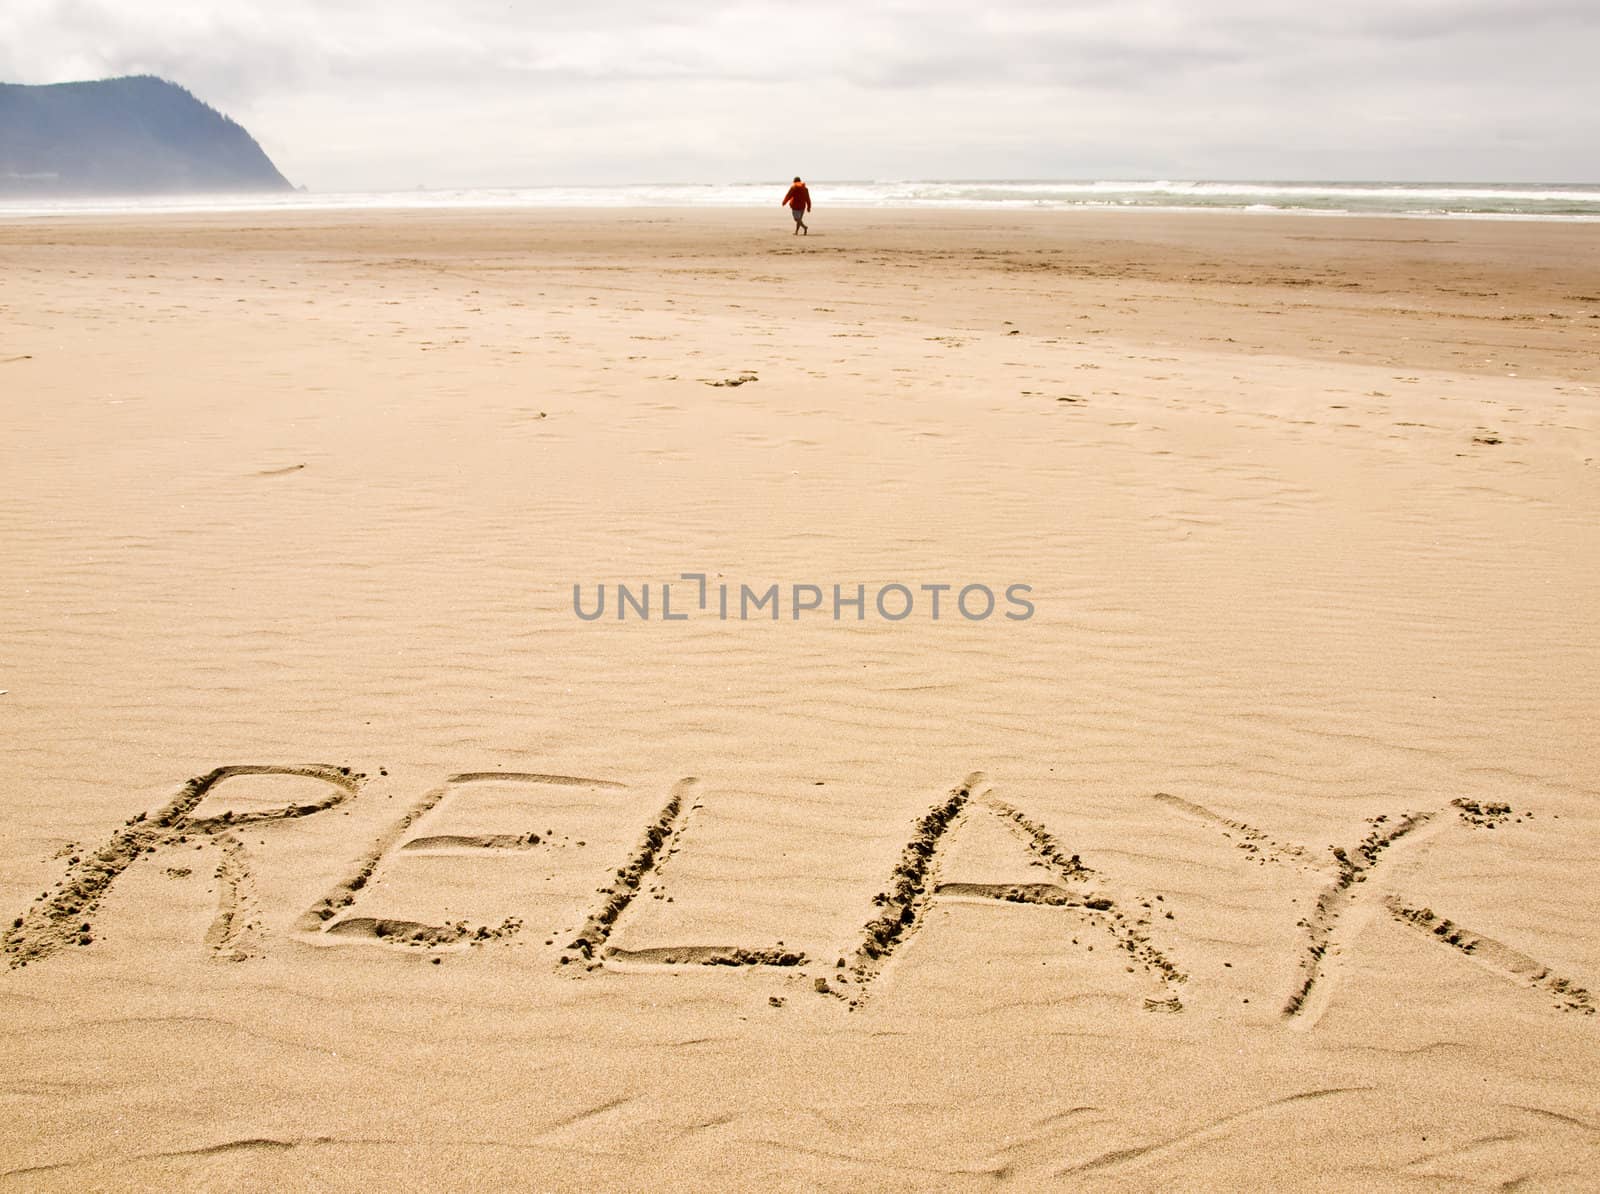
[357,93]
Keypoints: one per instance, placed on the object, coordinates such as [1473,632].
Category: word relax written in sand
[893,602]
[462,830]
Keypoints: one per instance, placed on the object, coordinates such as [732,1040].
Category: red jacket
[799,197]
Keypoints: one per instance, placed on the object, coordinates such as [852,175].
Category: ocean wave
[1439,199]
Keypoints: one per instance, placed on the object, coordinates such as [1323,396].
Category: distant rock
[129,136]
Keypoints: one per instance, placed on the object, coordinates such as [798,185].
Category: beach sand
[343,855]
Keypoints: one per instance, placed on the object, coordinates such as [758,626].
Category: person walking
[798,201]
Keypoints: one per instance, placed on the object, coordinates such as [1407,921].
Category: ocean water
[1572,201]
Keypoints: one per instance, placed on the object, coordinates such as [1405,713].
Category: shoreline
[1443,217]
[1453,201]
[973,209]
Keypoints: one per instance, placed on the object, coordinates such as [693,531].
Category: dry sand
[1264,854]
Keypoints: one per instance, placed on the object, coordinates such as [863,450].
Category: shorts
[798,212]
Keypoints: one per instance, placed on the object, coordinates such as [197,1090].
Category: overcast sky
[362,94]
